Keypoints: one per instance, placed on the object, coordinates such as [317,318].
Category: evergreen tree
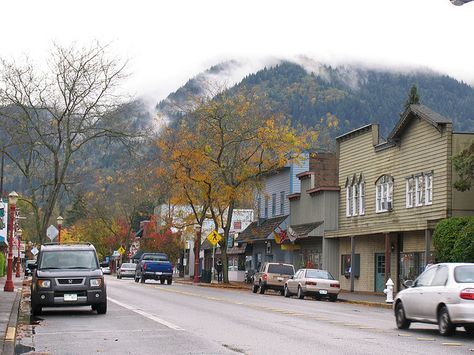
[77,212]
[413,97]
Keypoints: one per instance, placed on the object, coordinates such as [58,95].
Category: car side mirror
[408,283]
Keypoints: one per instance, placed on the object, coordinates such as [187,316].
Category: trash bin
[205,276]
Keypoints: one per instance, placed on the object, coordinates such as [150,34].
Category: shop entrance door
[379,272]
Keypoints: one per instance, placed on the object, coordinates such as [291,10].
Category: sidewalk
[9,304]
[363,298]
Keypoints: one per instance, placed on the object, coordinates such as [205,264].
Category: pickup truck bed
[154,266]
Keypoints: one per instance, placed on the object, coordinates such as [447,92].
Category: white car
[442,294]
[105,270]
[126,270]
[312,282]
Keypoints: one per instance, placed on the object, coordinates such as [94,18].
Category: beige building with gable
[393,193]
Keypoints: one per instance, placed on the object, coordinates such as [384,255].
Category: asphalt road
[183,319]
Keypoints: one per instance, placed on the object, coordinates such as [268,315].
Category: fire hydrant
[389,291]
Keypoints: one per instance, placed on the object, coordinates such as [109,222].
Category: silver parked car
[126,270]
[313,282]
[442,294]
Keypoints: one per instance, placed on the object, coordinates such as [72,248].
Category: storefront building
[393,193]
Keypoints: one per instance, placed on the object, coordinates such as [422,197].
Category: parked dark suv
[68,275]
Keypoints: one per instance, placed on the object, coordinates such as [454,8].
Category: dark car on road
[68,275]
[155,266]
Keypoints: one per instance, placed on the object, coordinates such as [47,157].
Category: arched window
[384,193]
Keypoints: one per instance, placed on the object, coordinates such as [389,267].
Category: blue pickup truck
[154,266]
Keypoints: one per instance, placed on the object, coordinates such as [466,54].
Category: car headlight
[96,282]
[44,283]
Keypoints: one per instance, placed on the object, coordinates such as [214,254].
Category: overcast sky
[169,42]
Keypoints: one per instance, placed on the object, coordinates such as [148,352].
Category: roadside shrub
[2,264]
[453,240]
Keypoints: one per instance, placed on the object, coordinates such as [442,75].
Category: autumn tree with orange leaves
[221,150]
[119,198]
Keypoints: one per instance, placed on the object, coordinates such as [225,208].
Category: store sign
[3,221]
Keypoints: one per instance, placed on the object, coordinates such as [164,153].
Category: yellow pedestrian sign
[121,250]
[214,238]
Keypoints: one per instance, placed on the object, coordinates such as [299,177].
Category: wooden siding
[274,184]
[414,242]
[314,207]
[422,149]
[295,170]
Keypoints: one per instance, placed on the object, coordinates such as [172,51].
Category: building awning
[235,250]
[263,229]
[301,231]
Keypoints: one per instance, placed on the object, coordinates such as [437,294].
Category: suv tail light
[144,266]
[336,284]
[311,283]
[264,277]
[467,294]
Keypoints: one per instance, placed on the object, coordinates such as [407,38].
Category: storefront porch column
[387,256]
[427,246]
[352,262]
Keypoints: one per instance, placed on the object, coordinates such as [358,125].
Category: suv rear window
[281,269]
[464,274]
[69,259]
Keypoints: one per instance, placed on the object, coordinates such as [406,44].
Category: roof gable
[421,112]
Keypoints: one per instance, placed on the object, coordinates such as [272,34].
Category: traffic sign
[52,232]
[121,250]
[214,237]
[34,251]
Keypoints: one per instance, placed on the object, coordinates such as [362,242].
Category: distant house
[393,193]
[181,215]
[272,216]
[313,211]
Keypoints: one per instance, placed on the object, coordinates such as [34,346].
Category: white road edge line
[146,315]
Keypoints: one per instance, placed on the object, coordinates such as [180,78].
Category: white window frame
[266,207]
[355,199]
[419,190]
[274,205]
[409,192]
[428,188]
[348,201]
[384,195]
[361,198]
[282,202]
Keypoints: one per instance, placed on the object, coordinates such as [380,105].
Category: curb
[235,287]
[10,337]
[367,303]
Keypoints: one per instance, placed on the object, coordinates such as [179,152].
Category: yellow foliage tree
[223,148]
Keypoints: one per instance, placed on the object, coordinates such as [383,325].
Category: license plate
[158,273]
[323,292]
[70,297]
[280,279]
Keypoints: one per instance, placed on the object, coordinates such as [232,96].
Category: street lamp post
[196,253]
[19,232]
[12,200]
[59,220]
